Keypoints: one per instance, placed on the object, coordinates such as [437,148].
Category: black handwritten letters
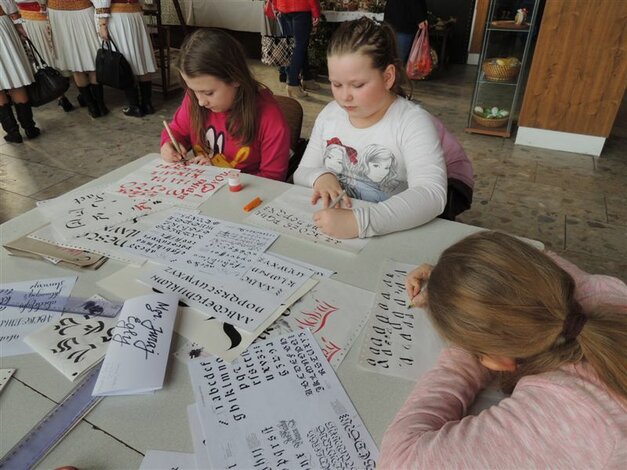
[276,407]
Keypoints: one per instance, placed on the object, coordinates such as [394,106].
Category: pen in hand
[336,201]
[175,144]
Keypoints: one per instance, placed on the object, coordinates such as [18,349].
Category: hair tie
[574,322]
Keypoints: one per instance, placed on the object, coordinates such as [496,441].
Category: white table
[119,428]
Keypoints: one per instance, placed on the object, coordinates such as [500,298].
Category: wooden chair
[293,112]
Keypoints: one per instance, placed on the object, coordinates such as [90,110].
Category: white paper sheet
[163,460]
[90,210]
[291,213]
[174,183]
[334,312]
[318,271]
[73,343]
[17,322]
[245,303]
[399,340]
[108,241]
[212,336]
[138,353]
[229,250]
[5,376]
[199,441]
[280,405]
[172,237]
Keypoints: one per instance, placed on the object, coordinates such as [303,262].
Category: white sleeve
[9,6]
[311,166]
[425,197]
[103,8]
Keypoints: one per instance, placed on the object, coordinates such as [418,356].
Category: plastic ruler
[54,426]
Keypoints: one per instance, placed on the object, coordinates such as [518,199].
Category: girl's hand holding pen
[328,188]
[170,154]
[416,285]
[337,223]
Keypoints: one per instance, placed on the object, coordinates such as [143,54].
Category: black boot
[98,93]
[145,90]
[24,113]
[90,102]
[9,124]
[65,104]
[133,108]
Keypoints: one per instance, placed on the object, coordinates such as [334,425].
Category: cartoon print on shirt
[371,176]
[340,159]
[215,151]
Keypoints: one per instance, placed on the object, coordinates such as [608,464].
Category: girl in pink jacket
[557,338]
[227,118]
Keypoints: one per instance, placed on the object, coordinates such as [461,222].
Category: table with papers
[120,429]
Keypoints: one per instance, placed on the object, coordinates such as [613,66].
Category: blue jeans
[297,24]
[405,40]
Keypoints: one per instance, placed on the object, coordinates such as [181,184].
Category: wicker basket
[485,122]
[500,73]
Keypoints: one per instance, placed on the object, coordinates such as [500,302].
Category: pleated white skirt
[75,39]
[38,33]
[15,69]
[130,36]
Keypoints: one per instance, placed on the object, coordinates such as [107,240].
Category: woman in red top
[297,18]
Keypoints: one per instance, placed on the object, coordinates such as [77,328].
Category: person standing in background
[15,74]
[297,18]
[35,16]
[122,21]
[405,16]
[76,43]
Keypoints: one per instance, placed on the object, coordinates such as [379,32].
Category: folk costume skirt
[130,36]
[75,39]
[15,68]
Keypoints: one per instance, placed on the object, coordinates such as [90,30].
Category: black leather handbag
[112,69]
[49,84]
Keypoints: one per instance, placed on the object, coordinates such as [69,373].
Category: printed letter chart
[398,341]
[138,352]
[279,406]
[291,213]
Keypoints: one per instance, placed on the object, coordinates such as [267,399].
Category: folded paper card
[140,343]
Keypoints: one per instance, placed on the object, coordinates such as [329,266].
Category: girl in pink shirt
[227,118]
[556,336]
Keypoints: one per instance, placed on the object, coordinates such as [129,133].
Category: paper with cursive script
[39,296]
[140,343]
[77,213]
[335,313]
[398,340]
[291,213]
[279,405]
[173,183]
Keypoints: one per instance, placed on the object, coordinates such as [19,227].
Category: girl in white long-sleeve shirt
[372,142]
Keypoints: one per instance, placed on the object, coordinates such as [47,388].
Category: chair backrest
[293,112]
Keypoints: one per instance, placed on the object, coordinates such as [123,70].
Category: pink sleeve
[180,125]
[593,289]
[274,142]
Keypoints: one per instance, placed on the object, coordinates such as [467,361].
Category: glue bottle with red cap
[234,183]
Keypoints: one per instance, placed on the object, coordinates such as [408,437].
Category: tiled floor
[575,204]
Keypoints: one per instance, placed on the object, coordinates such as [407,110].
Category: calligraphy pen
[337,199]
[175,143]
[75,305]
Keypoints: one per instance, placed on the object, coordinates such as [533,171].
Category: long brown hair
[214,52]
[493,294]
[374,40]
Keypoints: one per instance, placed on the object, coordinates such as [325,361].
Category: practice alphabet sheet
[399,340]
[280,406]
[173,183]
[291,213]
